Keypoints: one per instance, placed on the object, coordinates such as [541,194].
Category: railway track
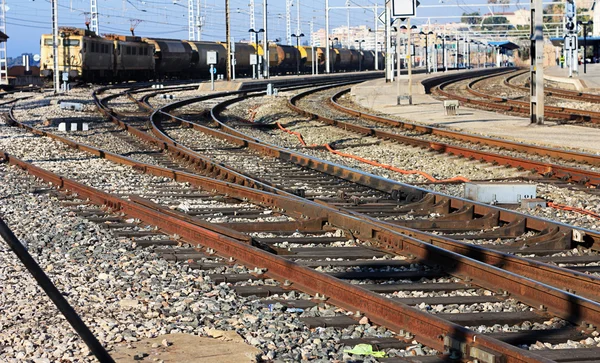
[546,161]
[379,291]
[360,200]
[504,104]
[511,81]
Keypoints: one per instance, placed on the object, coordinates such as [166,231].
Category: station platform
[585,82]
[380,97]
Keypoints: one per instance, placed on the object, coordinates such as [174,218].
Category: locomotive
[88,57]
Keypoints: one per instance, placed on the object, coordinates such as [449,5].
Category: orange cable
[573,209]
[297,134]
[374,163]
[253,111]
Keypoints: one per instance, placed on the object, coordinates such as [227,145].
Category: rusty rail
[476,139]
[522,266]
[428,329]
[545,169]
[555,92]
[519,107]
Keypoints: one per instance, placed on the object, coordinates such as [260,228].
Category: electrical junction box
[72,106]
[212,58]
[499,193]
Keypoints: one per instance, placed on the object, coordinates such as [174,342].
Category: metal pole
[95,26]
[53,293]
[584,48]
[232,47]
[266,40]
[212,77]
[299,31]
[199,20]
[536,73]
[376,39]
[398,67]
[468,55]
[54,44]
[426,53]
[327,56]
[312,47]
[360,56]
[348,29]
[255,67]
[444,53]
[228,40]
[410,94]
[253,24]
[456,59]
[388,47]
[288,21]
[298,58]
[191,22]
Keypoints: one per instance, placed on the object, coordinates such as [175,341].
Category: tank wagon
[112,58]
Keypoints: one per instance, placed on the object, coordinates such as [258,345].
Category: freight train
[85,56]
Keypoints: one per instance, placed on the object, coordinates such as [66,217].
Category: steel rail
[562,278]
[554,92]
[559,113]
[519,107]
[555,171]
[428,329]
[580,310]
[476,139]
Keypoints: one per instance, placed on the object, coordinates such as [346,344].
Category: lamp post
[298,47]
[407,45]
[468,43]
[409,30]
[332,62]
[256,32]
[478,55]
[359,53]
[426,49]
[465,56]
[458,51]
[585,25]
[444,38]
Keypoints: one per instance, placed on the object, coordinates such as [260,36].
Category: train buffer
[451,107]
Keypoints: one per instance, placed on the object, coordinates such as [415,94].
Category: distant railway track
[440,269]
[445,141]
[550,170]
[553,91]
[489,102]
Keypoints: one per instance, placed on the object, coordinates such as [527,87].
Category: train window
[48,42]
[72,42]
[106,48]
[288,55]
[128,50]
[146,51]
[118,49]
[84,46]
[93,47]
[133,50]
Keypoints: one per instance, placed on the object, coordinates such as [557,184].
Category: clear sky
[28,19]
